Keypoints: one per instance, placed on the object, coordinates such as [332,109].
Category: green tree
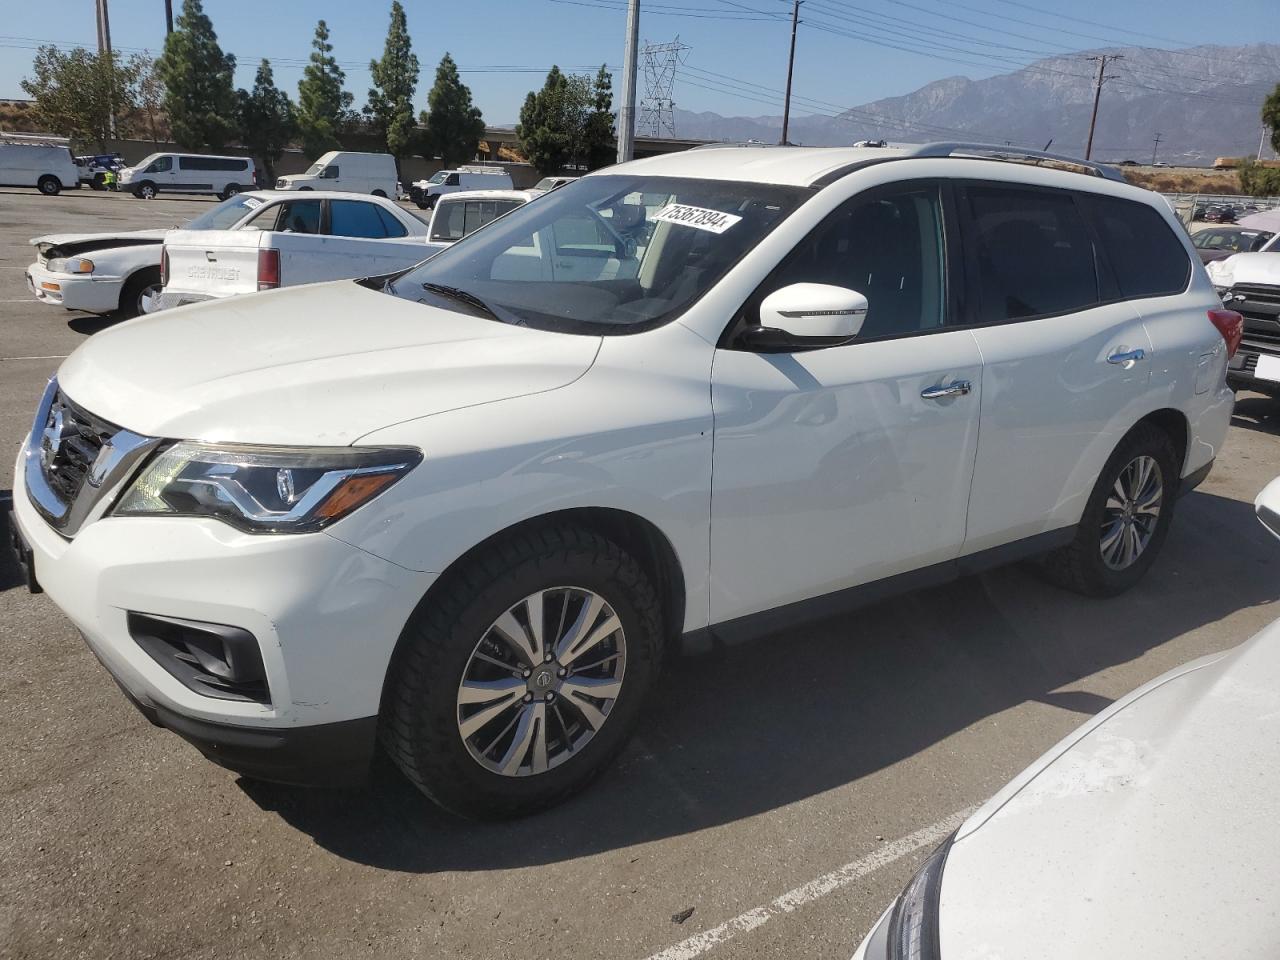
[541,130]
[266,118]
[150,96]
[568,121]
[199,94]
[1257,180]
[324,108]
[452,124]
[599,149]
[395,78]
[86,96]
[1271,116]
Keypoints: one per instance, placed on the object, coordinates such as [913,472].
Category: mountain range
[1203,102]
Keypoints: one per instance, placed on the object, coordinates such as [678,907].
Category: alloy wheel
[1131,513]
[542,681]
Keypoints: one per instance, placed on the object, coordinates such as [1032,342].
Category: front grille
[1259,304]
[69,444]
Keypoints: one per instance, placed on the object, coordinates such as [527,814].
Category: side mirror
[807,316]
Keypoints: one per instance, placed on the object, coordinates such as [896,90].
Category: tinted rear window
[1146,255]
[1034,254]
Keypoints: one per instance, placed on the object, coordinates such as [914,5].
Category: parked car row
[252,241]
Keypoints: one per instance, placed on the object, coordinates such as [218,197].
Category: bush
[1257,180]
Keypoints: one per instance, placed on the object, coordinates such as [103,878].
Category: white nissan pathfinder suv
[461,510]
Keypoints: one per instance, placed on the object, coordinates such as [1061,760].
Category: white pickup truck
[291,239]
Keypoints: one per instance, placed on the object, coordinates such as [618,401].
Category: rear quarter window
[1145,254]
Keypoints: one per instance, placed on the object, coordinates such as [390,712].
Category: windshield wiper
[462,296]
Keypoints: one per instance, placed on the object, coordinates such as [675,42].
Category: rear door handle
[956,388]
[1127,357]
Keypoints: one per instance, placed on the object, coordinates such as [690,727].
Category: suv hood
[321,365]
[1151,833]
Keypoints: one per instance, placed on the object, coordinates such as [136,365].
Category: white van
[43,163]
[188,173]
[425,192]
[348,172]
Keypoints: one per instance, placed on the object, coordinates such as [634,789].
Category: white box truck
[347,172]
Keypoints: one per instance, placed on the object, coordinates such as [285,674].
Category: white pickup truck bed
[209,264]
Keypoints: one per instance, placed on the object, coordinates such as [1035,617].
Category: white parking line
[56,356]
[815,889]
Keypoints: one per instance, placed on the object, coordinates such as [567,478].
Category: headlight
[70,265]
[264,489]
[913,928]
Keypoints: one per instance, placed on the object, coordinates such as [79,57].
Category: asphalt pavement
[776,799]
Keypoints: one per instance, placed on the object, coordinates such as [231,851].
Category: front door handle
[956,388]
[1127,357]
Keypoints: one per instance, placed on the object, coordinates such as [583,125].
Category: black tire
[231,190]
[419,721]
[422,205]
[146,190]
[49,185]
[305,189]
[131,295]
[379,193]
[99,182]
[1079,566]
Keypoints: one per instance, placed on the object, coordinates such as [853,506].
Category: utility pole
[791,64]
[104,47]
[627,111]
[1154,147]
[1262,138]
[1097,95]
[104,27]
[168,17]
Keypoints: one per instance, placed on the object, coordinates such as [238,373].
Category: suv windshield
[226,214]
[605,254]
[314,169]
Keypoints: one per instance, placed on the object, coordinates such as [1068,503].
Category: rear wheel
[524,674]
[140,294]
[49,185]
[232,189]
[1126,519]
[380,193]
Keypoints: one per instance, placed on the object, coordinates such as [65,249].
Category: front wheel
[49,185]
[145,191]
[523,674]
[141,294]
[1126,519]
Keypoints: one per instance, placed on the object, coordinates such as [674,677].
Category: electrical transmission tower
[657,115]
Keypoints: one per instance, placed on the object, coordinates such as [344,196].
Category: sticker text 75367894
[700,218]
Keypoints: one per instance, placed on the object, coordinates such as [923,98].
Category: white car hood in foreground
[322,365]
[1154,835]
[1262,268]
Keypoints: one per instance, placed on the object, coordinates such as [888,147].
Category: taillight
[1231,325]
[268,269]
[164,267]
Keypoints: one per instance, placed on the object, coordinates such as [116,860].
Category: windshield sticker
[253,203]
[700,218]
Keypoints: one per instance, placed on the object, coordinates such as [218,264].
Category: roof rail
[991,151]
[45,139]
[721,144]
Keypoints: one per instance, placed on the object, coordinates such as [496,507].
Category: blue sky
[849,51]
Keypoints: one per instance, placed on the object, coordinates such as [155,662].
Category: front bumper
[74,291]
[326,617]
